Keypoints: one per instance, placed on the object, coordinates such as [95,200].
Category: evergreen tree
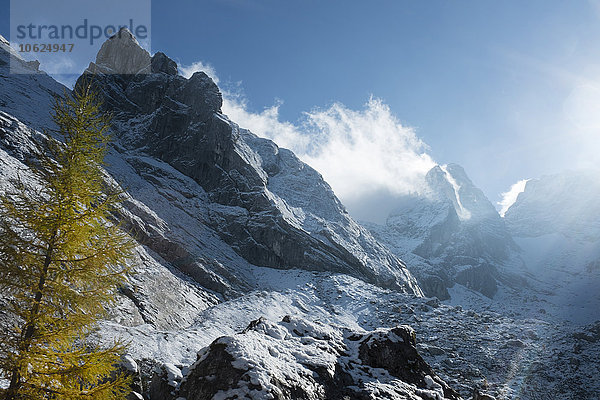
[61,260]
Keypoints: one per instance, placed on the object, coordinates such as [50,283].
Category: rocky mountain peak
[441,188]
[162,63]
[451,225]
[122,54]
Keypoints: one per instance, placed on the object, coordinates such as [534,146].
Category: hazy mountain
[556,223]
[567,203]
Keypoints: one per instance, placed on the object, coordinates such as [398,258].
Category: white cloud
[188,70]
[360,153]
[357,152]
[509,198]
[266,123]
[365,151]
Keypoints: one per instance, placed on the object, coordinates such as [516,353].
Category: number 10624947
[46,47]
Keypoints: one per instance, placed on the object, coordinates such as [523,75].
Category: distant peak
[510,197]
[450,182]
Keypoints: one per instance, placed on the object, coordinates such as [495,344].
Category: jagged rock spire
[122,54]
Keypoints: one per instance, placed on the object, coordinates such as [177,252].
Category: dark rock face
[350,368]
[161,63]
[477,395]
[434,286]
[401,359]
[211,374]
[480,278]
[179,122]
[160,386]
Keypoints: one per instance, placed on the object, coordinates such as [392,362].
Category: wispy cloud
[357,151]
[366,150]
[509,197]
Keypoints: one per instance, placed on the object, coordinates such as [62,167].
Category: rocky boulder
[110,57]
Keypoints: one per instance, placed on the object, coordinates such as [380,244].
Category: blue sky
[507,89]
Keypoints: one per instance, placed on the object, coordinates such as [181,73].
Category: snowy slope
[567,203]
[481,344]
[27,95]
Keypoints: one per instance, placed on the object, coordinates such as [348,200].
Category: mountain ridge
[179,121]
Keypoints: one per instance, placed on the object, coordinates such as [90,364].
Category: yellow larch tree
[62,258]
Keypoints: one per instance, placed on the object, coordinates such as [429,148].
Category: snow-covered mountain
[251,279]
[541,262]
[449,234]
[546,247]
[212,206]
[27,95]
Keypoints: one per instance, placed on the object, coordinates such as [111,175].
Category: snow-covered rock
[298,359]
[25,92]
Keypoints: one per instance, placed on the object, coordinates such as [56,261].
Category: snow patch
[509,197]
[462,212]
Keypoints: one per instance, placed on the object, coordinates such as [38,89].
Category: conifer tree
[61,260]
